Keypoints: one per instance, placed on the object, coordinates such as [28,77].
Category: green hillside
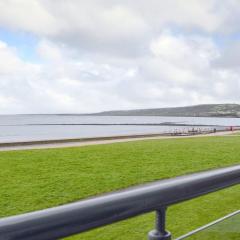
[207,110]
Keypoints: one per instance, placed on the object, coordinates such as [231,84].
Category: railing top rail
[62,221]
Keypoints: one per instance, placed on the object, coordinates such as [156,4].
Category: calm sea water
[14,128]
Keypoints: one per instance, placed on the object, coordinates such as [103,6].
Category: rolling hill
[206,110]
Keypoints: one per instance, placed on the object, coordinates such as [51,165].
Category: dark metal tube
[84,215]
[160,232]
[161,220]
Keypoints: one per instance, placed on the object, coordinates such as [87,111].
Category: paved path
[97,142]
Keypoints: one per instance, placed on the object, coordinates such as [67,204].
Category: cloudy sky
[59,56]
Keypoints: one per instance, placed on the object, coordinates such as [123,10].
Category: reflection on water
[26,128]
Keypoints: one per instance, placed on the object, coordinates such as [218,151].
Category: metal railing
[218,228]
[78,217]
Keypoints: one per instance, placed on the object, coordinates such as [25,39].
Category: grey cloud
[113,27]
[230,57]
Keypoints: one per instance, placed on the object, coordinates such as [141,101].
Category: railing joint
[160,232]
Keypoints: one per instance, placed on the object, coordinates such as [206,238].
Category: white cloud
[46,16]
[49,51]
[27,15]
[99,55]
[8,60]
[112,27]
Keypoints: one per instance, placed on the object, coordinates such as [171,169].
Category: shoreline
[75,142]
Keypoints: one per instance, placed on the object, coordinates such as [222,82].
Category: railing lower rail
[69,219]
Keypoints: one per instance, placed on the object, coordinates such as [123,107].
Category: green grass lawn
[236,133]
[226,229]
[36,179]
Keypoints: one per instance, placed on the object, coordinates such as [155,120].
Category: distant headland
[205,110]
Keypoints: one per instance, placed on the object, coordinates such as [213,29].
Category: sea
[19,128]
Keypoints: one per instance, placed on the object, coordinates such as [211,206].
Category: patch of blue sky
[24,43]
[223,40]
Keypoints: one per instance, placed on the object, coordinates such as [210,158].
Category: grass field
[36,179]
[236,133]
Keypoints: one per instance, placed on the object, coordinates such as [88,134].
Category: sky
[78,56]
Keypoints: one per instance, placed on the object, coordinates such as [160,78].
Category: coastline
[75,142]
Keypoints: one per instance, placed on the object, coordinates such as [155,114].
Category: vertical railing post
[160,233]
